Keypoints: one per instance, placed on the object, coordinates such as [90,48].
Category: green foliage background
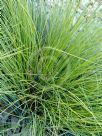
[51,67]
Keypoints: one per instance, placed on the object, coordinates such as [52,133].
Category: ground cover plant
[50,68]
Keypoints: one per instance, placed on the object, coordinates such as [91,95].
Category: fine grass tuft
[51,68]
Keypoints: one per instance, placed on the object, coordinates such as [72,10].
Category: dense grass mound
[51,68]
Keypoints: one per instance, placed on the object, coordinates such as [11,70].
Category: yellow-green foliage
[51,67]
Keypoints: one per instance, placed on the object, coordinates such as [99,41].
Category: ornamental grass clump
[51,68]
